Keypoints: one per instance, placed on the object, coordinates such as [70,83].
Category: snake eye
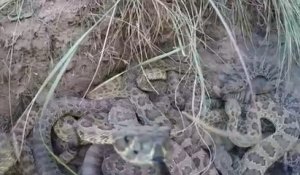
[135,152]
[126,139]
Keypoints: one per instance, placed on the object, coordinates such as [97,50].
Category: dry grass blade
[142,26]
[3,2]
[134,67]
[233,41]
[290,12]
[205,126]
[59,70]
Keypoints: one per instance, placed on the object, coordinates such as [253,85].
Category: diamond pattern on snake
[150,79]
[264,77]
[182,161]
[125,141]
[277,110]
[106,132]
[289,100]
[268,150]
[11,144]
[252,162]
[247,133]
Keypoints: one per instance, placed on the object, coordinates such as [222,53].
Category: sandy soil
[29,50]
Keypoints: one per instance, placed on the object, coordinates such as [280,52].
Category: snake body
[263,153]
[264,77]
[183,157]
[281,108]
[7,153]
[15,147]
[247,132]
[93,159]
[42,130]
[91,109]
[268,150]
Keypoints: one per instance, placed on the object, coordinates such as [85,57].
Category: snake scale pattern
[15,149]
[282,109]
[90,109]
[283,112]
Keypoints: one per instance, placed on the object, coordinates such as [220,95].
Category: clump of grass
[4,3]
[56,75]
[146,25]
[269,17]
[13,9]
[142,25]
[288,25]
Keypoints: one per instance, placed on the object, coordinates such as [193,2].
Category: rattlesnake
[12,143]
[219,115]
[264,77]
[121,111]
[18,134]
[136,134]
[182,161]
[269,149]
[114,135]
[265,150]
[185,164]
[150,78]
[143,115]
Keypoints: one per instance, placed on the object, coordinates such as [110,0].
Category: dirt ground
[29,50]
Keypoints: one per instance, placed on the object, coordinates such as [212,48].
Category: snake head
[229,83]
[232,108]
[142,145]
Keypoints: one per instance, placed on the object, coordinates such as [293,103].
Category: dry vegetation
[85,41]
[130,29]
